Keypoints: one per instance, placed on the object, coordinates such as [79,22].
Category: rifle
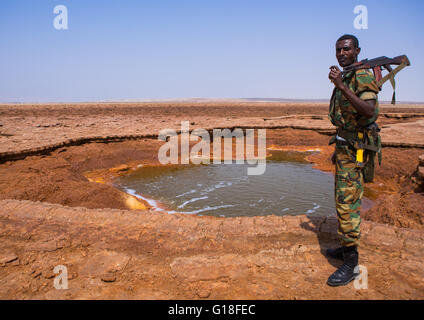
[377,66]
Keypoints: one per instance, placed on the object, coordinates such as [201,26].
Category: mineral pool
[289,186]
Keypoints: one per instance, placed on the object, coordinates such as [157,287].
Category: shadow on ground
[325,229]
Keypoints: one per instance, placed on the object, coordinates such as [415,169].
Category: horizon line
[192,99]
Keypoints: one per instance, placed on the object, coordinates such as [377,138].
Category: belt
[347,135]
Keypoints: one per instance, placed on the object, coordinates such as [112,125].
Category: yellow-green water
[289,186]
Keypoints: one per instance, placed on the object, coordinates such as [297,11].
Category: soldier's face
[346,52]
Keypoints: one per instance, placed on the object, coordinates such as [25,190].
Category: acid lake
[289,186]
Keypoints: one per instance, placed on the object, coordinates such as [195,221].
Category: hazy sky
[160,49]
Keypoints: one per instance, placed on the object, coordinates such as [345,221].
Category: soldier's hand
[336,76]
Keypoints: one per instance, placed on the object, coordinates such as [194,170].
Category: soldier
[353,107]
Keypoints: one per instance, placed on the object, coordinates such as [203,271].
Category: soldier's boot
[346,272]
[335,253]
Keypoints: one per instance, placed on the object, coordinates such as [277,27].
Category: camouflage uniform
[349,181]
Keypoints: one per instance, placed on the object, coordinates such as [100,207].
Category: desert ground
[59,207]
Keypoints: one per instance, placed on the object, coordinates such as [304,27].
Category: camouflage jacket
[342,114]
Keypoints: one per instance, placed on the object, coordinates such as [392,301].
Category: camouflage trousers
[349,188]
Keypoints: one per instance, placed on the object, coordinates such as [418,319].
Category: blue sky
[115,50]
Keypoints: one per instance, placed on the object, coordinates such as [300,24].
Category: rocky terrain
[53,214]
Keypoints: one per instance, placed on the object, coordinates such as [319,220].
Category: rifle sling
[391,76]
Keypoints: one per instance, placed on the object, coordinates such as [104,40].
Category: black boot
[346,272]
[335,253]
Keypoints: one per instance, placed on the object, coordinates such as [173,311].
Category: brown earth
[58,217]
